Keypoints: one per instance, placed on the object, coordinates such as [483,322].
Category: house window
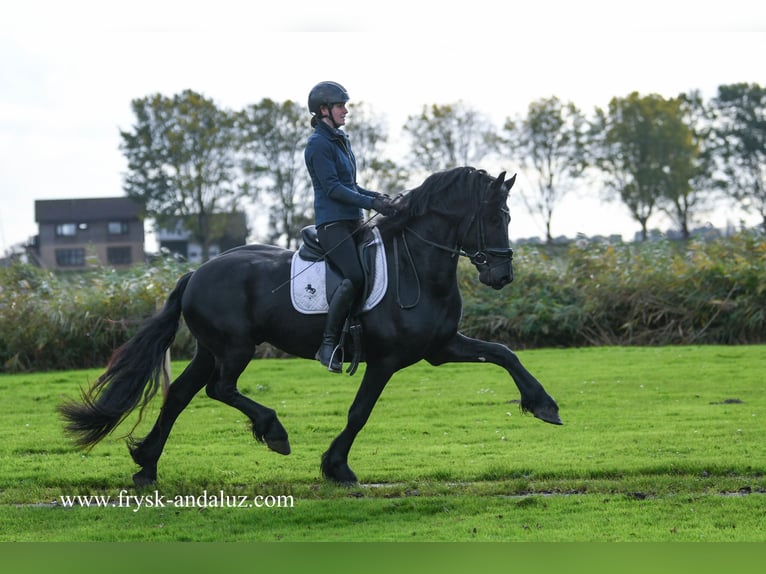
[118,256]
[66,230]
[117,228]
[70,257]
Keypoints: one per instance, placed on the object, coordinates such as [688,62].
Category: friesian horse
[235,301]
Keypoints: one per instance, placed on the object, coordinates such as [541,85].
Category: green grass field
[658,444]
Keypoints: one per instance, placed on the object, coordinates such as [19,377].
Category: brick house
[72,231]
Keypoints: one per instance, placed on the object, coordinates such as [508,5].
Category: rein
[477,258]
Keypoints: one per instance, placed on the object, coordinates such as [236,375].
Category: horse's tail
[132,376]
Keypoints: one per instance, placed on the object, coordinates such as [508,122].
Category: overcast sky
[69,70]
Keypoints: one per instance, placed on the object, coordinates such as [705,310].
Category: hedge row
[51,321]
[659,293]
[656,293]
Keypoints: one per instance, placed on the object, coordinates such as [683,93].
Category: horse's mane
[422,199]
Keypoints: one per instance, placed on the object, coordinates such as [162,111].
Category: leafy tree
[741,129]
[645,150]
[273,136]
[551,142]
[181,164]
[449,136]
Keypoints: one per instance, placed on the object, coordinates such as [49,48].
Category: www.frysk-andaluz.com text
[156,500]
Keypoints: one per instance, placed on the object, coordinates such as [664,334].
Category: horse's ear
[499,181]
[509,183]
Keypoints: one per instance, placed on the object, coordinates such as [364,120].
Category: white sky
[69,70]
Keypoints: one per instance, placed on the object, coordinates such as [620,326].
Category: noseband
[481,257]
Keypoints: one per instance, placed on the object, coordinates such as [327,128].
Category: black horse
[235,302]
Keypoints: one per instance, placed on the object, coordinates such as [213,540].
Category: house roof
[84,210]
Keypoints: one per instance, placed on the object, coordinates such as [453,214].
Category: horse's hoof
[549,416]
[281,446]
[346,482]
[341,476]
[142,479]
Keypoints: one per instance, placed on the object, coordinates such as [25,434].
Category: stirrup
[340,347]
[337,349]
[328,364]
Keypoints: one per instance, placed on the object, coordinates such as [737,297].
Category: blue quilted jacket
[332,167]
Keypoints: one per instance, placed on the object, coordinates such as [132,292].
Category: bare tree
[741,130]
[369,135]
[448,136]
[550,143]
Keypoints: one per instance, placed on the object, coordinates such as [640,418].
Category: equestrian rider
[338,205]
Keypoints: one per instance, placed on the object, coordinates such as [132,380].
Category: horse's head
[477,229]
[486,241]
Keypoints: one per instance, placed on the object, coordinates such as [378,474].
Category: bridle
[479,258]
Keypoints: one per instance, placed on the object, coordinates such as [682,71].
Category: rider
[338,205]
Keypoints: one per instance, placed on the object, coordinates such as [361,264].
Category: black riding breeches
[338,241]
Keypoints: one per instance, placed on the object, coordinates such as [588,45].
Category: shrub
[75,320]
[658,293]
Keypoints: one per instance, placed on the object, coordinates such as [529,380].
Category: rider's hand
[385,205]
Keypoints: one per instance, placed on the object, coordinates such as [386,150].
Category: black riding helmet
[325,94]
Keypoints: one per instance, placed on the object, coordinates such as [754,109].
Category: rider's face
[338,113]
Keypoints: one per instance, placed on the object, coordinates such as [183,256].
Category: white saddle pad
[307,284]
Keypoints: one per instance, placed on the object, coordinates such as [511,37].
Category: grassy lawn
[658,444]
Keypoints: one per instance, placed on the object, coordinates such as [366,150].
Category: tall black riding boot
[340,306]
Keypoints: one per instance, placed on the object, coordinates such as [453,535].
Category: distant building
[177,240]
[78,233]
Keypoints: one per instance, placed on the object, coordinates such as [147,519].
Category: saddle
[314,279]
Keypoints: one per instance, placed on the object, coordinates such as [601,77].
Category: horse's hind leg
[147,452]
[266,425]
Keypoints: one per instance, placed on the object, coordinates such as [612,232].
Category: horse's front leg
[534,398]
[335,460]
